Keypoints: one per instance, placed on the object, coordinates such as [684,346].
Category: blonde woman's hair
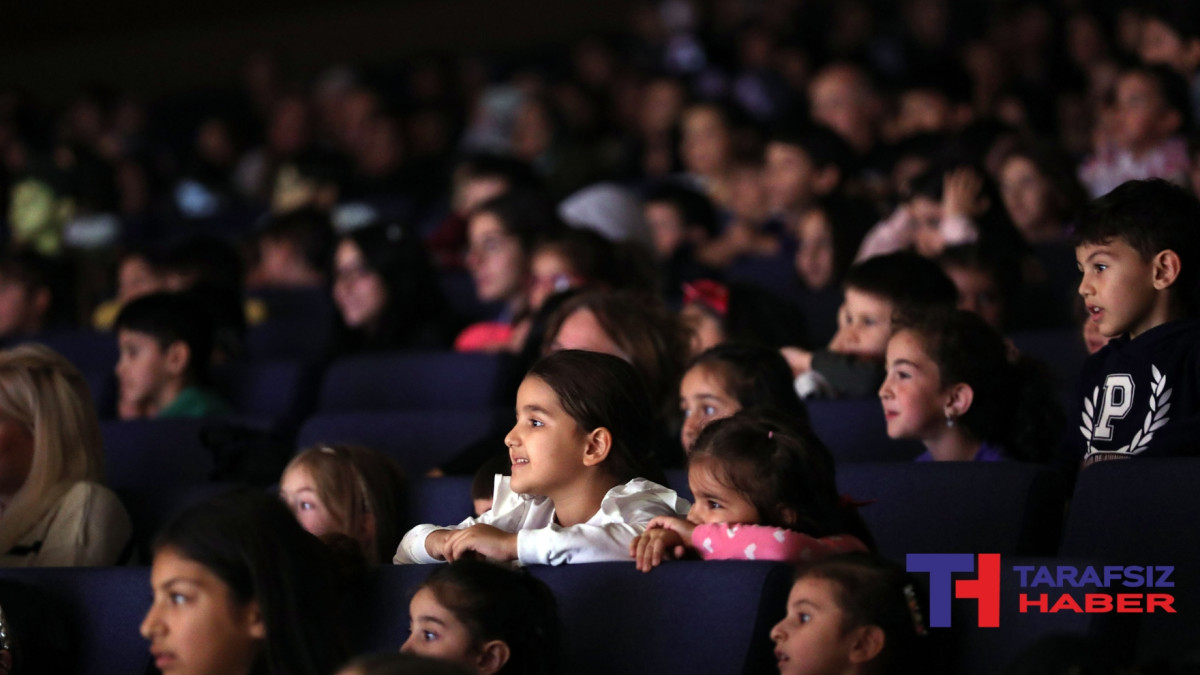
[45,394]
[354,482]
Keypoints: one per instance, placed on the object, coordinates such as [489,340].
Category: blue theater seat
[104,607]
[418,439]
[1010,508]
[416,380]
[441,501]
[1142,512]
[280,390]
[149,452]
[855,431]
[684,617]
[88,350]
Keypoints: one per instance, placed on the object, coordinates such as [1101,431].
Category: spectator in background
[294,251]
[28,295]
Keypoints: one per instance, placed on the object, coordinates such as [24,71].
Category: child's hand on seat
[665,538]
[483,541]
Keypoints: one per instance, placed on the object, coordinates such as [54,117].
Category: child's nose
[150,623]
[510,439]
[777,632]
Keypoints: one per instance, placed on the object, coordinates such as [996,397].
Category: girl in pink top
[762,492]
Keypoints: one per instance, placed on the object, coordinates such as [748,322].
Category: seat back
[441,501]
[407,381]
[1010,508]
[418,439]
[157,451]
[1140,512]
[283,390]
[104,607]
[855,430]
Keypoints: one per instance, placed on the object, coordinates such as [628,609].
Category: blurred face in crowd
[550,273]
[358,291]
[1162,44]
[22,308]
[926,215]
[864,324]
[666,227]
[815,250]
[495,258]
[842,100]
[703,399]
[911,394]
[1141,116]
[788,177]
[706,329]
[706,141]
[298,490]
[978,292]
[1026,195]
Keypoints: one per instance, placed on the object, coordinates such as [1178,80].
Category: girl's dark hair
[849,221]
[501,603]
[525,214]
[756,315]
[788,475]
[600,390]
[414,298]
[253,544]
[758,377]
[1014,404]
[642,327]
[872,591]
[996,229]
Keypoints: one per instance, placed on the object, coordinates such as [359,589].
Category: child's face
[705,328]
[811,639]
[703,399]
[20,311]
[1118,289]
[195,626]
[497,263]
[666,226]
[1025,193]
[299,491]
[437,633]
[912,393]
[1141,115]
[716,502]
[814,253]
[136,278]
[926,215]
[550,273]
[359,292]
[864,325]
[705,145]
[546,445]
[144,370]
[979,293]
[788,177]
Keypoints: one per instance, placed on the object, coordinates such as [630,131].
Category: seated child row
[238,586]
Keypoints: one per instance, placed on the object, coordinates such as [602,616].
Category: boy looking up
[165,342]
[1140,394]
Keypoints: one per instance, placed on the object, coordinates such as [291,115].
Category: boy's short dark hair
[822,145]
[694,208]
[309,230]
[910,282]
[1151,216]
[171,318]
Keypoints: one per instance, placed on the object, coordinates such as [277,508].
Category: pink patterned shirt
[732,541]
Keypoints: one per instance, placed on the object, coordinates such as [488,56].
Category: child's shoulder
[641,493]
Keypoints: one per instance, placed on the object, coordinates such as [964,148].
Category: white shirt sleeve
[624,514]
[508,512]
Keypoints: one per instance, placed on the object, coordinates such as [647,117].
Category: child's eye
[428,635]
[805,618]
[177,599]
[1101,267]
[709,410]
[714,505]
[687,412]
[536,423]
[306,506]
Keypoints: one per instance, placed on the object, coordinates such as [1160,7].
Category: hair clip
[709,293]
[770,435]
[914,608]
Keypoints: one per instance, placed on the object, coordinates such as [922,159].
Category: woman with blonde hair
[54,512]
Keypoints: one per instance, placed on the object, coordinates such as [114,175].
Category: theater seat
[418,439]
[150,452]
[104,607]
[441,501]
[684,617]
[855,431]
[1010,508]
[281,390]
[1142,512]
[151,506]
[421,380]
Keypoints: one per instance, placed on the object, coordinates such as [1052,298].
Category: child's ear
[255,626]
[961,395]
[868,644]
[599,443]
[492,656]
[1167,266]
[178,356]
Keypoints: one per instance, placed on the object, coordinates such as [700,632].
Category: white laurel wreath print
[1156,418]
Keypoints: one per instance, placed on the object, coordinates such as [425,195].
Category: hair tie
[709,293]
[770,435]
[914,609]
